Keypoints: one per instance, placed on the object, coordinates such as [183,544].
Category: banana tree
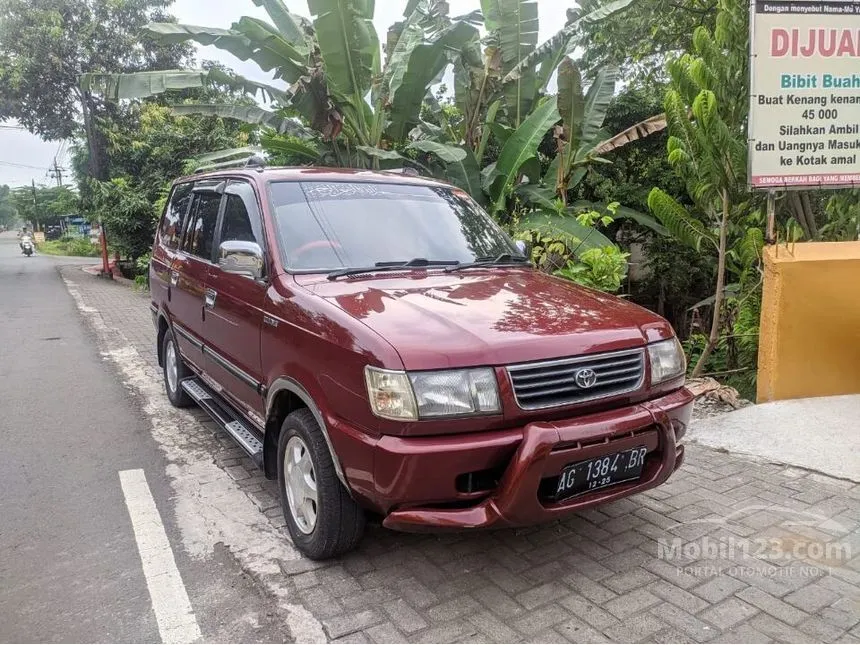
[511,71]
[331,67]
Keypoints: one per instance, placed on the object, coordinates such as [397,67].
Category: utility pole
[35,207]
[95,173]
[57,172]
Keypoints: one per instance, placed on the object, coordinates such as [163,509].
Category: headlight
[398,395]
[667,360]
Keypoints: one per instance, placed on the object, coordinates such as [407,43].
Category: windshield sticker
[334,190]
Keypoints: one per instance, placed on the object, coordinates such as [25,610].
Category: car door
[190,270]
[166,245]
[234,309]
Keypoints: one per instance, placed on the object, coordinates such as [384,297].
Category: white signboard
[804,123]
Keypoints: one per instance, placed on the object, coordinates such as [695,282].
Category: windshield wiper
[503,260]
[391,266]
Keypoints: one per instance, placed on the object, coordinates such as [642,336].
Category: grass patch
[74,246]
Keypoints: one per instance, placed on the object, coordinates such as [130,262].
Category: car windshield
[325,226]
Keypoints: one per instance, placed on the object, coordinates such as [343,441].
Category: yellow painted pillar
[809,342]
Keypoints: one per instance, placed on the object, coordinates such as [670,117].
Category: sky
[25,157]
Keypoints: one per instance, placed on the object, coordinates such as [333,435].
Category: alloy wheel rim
[172,367]
[300,485]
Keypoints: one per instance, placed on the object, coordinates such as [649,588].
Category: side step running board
[226,417]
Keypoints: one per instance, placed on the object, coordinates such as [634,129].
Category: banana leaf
[596,104]
[245,113]
[293,28]
[420,67]
[143,84]
[114,87]
[348,44]
[645,128]
[447,153]
[467,175]
[514,24]
[520,147]
[271,53]
[221,155]
[537,195]
[486,129]
[379,153]
[571,104]
[560,42]
[304,149]
[271,50]
[553,224]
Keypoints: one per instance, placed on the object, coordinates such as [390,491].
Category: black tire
[340,521]
[178,397]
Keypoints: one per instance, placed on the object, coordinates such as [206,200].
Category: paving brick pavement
[694,560]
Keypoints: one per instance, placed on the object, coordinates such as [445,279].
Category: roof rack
[409,171]
[255,160]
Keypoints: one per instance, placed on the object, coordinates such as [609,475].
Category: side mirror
[524,248]
[241,258]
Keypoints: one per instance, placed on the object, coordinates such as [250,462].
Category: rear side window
[171,224]
[200,232]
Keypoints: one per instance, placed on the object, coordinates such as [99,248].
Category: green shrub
[69,245]
[600,268]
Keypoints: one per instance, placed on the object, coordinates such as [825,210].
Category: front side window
[171,224]
[241,214]
[333,225]
[200,232]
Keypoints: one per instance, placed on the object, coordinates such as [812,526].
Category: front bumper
[419,468]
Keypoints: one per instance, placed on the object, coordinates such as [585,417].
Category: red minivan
[377,344]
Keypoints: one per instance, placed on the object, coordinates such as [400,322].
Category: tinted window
[171,224]
[329,225]
[200,232]
[237,221]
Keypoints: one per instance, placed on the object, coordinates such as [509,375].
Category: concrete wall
[810,321]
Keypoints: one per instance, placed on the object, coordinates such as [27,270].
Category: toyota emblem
[585,378]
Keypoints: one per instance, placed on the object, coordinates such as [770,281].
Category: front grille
[552,383]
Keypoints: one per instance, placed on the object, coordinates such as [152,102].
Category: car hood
[488,316]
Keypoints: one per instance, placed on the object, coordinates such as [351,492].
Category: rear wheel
[174,371]
[323,520]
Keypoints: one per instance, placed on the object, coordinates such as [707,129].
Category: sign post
[804,121]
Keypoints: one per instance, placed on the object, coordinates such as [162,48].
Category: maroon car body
[299,339]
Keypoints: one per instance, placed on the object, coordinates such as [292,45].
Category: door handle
[209,298]
[174,278]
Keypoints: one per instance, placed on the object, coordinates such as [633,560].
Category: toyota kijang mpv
[378,345]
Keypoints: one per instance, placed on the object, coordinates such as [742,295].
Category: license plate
[600,472]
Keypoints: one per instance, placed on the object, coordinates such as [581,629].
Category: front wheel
[323,520]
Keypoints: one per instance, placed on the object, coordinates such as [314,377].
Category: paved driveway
[731,549]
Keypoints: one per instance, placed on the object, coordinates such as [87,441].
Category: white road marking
[173,613]
[210,508]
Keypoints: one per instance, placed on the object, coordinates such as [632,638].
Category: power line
[23,165]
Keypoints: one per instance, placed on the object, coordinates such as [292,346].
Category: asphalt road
[71,533]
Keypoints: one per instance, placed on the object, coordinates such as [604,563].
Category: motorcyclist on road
[25,238]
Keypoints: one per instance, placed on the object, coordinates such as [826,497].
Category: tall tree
[709,151]
[46,44]
[43,204]
[149,147]
[637,42]
[8,212]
